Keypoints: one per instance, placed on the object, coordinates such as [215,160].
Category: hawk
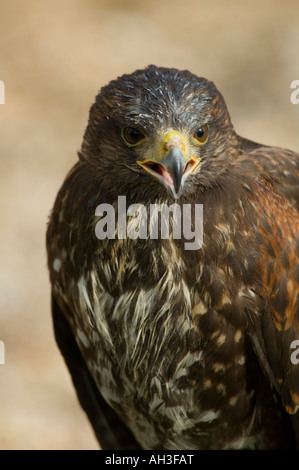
[169,346]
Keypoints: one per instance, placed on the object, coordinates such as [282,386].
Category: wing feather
[111,433]
[274,331]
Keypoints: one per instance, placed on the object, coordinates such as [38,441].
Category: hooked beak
[174,167]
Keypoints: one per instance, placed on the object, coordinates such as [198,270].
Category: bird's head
[159,128]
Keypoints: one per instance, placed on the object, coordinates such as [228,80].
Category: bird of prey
[172,346]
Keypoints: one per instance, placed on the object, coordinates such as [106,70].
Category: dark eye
[132,136]
[201,135]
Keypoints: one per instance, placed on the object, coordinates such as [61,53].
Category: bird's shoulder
[275,165]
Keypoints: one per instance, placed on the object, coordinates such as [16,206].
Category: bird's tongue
[167,176]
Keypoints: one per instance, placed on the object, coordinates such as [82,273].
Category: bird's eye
[201,135]
[132,136]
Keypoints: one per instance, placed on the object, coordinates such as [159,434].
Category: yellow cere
[173,139]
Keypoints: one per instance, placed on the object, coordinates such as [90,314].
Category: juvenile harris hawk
[168,347]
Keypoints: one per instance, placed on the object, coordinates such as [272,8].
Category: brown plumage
[168,347]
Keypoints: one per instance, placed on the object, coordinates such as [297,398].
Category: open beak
[174,167]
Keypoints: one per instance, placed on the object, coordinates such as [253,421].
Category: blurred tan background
[54,57]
